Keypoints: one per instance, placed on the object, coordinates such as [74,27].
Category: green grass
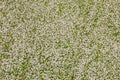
[59,40]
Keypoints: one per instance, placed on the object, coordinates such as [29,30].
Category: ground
[59,39]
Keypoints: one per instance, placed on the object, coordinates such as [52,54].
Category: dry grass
[59,40]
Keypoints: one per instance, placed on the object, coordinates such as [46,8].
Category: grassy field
[59,39]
